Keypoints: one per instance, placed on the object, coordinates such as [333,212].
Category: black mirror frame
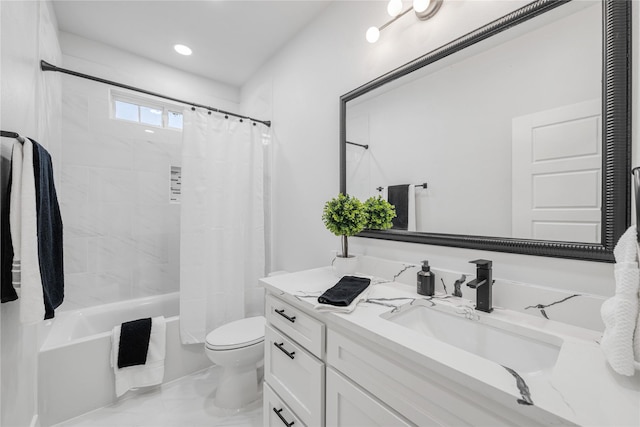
[616,138]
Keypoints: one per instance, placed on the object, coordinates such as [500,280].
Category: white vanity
[431,362]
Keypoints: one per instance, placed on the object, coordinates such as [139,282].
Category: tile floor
[186,402]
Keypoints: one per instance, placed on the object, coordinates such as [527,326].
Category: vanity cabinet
[317,374]
[348,405]
[423,397]
[294,372]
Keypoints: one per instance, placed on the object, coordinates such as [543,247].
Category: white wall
[122,234]
[30,105]
[121,237]
[100,60]
[299,89]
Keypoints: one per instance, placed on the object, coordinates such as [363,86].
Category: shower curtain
[222,228]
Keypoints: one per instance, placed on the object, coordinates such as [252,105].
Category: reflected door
[556,174]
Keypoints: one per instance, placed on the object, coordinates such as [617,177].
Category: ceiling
[230,39]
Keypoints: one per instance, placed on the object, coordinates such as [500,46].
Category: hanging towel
[636,334]
[152,372]
[7,291]
[620,312]
[134,342]
[31,295]
[398,196]
[411,208]
[49,231]
[15,209]
[403,197]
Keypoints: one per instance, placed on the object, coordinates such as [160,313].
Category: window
[175,120]
[144,111]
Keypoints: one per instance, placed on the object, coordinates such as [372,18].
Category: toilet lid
[237,334]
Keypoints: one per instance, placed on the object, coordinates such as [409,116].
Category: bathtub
[74,371]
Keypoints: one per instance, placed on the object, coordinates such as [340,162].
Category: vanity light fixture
[182,49]
[424,9]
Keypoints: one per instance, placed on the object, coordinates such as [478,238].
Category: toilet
[238,347]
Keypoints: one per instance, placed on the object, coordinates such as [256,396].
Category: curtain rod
[45,66]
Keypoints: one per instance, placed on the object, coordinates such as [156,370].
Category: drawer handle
[291,319]
[283,350]
[277,411]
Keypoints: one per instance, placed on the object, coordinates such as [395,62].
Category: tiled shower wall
[121,231]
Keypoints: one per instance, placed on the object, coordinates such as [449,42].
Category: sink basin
[522,349]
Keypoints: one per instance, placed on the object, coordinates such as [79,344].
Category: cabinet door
[276,413]
[350,406]
[296,375]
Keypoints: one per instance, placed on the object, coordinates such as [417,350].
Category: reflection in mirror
[507,134]
[523,143]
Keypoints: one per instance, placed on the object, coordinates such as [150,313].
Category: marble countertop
[581,388]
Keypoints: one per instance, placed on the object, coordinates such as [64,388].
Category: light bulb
[182,49]
[373,34]
[421,5]
[394,7]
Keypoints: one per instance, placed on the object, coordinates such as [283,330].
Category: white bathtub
[74,372]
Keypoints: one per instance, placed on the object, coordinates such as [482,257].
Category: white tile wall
[121,233]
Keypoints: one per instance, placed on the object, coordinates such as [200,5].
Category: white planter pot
[345,266]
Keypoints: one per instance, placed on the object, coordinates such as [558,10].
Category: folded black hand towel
[134,342]
[398,196]
[345,291]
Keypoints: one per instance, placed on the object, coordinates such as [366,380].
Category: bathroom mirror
[520,130]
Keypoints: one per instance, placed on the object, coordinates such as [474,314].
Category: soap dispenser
[426,280]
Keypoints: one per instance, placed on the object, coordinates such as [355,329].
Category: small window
[175,120]
[142,111]
[126,111]
[150,116]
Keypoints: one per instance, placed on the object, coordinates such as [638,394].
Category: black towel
[398,196]
[345,291]
[134,342]
[7,291]
[49,231]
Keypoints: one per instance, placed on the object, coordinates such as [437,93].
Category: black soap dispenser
[426,280]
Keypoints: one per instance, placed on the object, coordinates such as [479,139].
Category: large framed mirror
[512,138]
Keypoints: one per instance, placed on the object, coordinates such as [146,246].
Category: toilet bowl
[238,347]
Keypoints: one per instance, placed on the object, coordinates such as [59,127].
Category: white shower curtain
[222,230]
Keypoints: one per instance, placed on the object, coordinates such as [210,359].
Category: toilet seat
[237,334]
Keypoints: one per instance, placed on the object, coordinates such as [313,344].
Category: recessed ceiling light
[182,49]
[148,131]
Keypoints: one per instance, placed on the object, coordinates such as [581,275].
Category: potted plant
[380,213]
[344,216]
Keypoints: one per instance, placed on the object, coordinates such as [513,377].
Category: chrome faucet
[483,284]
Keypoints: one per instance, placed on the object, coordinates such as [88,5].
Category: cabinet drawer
[304,329]
[348,406]
[296,375]
[275,412]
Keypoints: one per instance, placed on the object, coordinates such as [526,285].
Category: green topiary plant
[344,216]
[380,213]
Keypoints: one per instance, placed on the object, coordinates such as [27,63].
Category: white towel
[636,335]
[411,207]
[348,309]
[31,297]
[152,372]
[15,210]
[620,312]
